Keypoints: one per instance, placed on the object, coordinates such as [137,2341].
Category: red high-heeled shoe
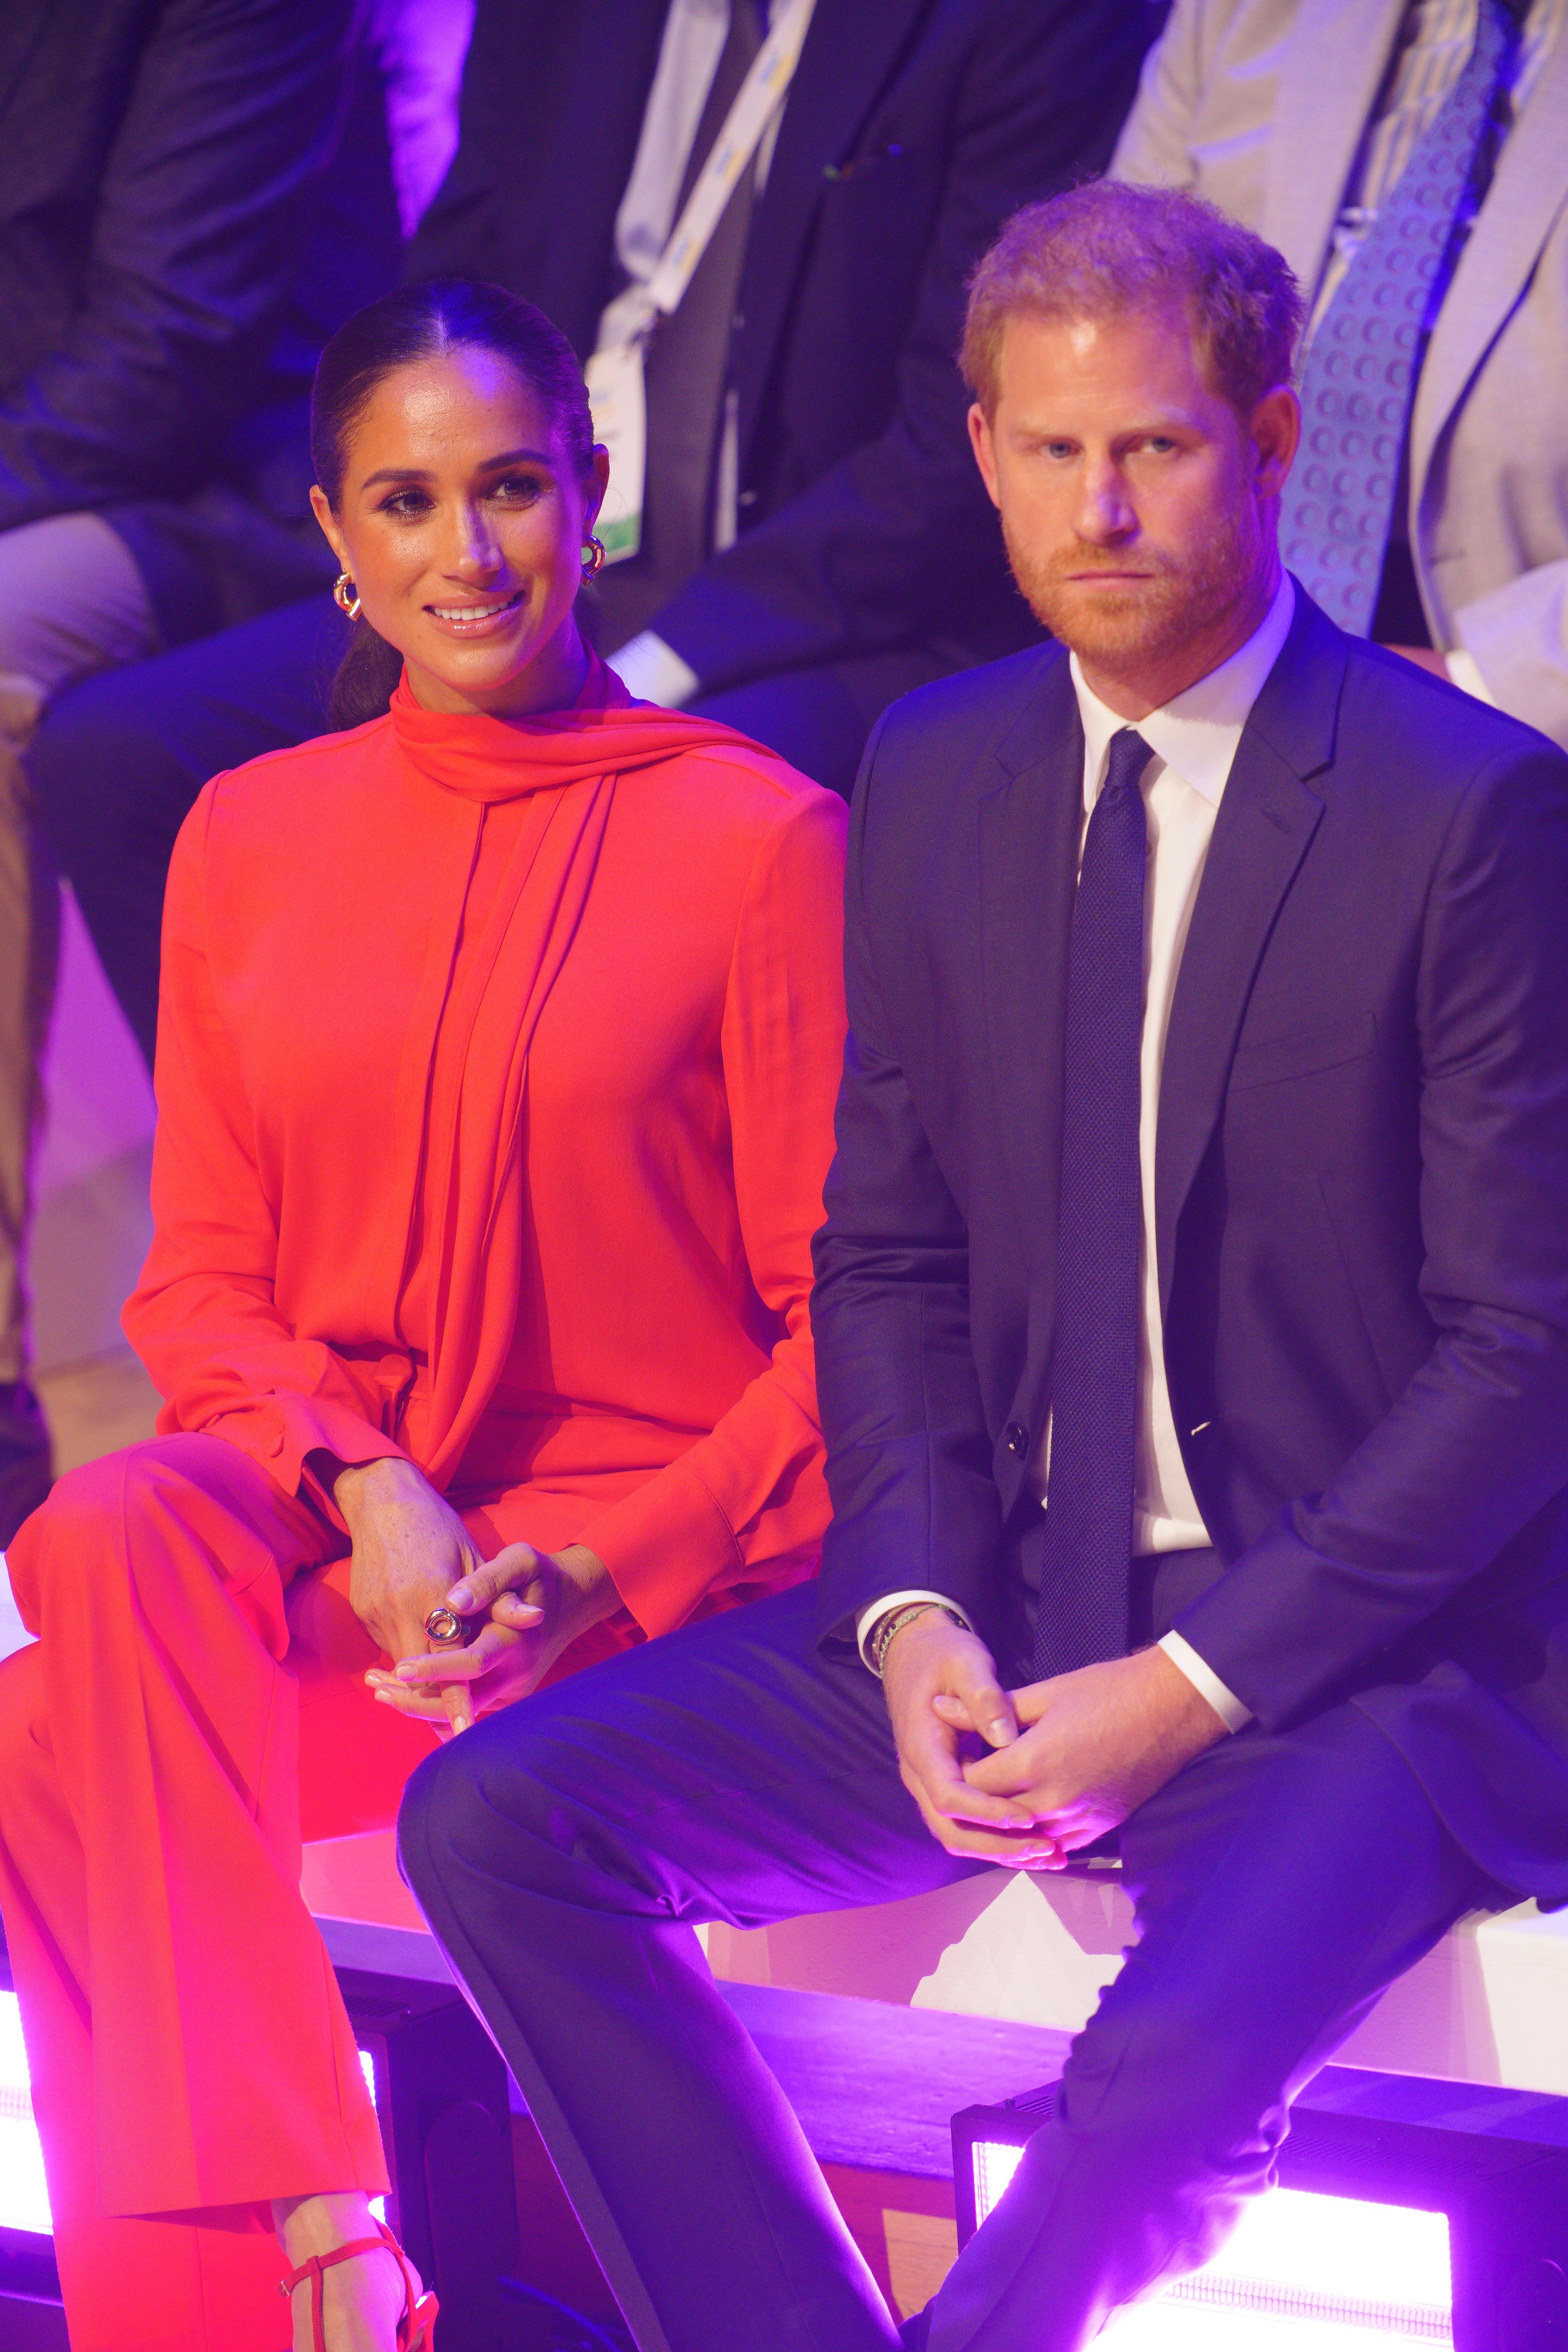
[416,2329]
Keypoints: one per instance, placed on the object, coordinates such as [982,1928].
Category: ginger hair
[1107,248]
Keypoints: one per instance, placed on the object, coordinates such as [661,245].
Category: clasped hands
[412,1552]
[1029,1776]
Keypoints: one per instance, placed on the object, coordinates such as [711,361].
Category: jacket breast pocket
[1265,1061]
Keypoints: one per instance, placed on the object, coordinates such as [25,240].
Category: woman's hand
[409,1546]
[538,1602]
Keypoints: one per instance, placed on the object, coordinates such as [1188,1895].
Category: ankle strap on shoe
[314,2267]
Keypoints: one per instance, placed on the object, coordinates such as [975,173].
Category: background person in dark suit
[192,198]
[863,559]
[1206,1106]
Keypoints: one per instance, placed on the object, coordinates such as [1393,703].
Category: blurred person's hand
[530,1606]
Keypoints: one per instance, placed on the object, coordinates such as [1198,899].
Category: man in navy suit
[1203,1177]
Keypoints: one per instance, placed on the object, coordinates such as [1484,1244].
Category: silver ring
[445,1627]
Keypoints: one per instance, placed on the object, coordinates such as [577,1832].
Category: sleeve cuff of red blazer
[664,1547]
[279,1431]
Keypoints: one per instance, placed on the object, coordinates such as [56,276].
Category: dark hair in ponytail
[440,315]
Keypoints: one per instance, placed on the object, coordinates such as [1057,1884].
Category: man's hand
[1097,1744]
[537,1603]
[932,1664]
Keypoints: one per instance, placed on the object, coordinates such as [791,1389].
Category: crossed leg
[563,1851]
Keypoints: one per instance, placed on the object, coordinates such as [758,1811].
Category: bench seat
[1489,2005]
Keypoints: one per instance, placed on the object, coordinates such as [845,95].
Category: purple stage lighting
[1380,2238]
[367,2068]
[1303,2273]
[24,2199]
[24,2195]
[440,2094]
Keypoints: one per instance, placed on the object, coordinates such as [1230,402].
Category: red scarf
[569,761]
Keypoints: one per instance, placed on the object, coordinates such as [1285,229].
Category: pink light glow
[1301,2272]
[24,2199]
[367,2068]
[24,2196]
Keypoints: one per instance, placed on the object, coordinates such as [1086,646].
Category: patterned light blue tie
[1084,1579]
[1359,382]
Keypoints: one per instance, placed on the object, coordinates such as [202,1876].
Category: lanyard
[616,391]
[756,101]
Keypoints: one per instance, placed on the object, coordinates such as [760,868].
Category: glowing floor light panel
[367,2068]
[1301,2272]
[24,2200]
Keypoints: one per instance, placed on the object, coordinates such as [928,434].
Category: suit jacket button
[1017,1437]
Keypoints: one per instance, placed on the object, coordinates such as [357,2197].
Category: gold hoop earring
[595,558]
[345,595]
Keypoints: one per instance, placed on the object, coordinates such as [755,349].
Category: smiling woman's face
[462,521]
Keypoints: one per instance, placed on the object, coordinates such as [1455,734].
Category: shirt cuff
[1465,671]
[277,1430]
[665,1545]
[1230,1710]
[653,672]
[871,1616]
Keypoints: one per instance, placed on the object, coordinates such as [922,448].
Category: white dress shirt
[1194,740]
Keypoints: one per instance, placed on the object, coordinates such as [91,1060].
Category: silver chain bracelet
[889,1625]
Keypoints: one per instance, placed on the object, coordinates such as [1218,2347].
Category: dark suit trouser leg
[561,1849]
[1282,1884]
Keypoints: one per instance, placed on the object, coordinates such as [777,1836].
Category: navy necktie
[1083,1609]
[1358,383]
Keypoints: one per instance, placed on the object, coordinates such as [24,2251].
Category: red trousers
[190,2054]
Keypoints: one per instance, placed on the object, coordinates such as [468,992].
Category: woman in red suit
[497,1053]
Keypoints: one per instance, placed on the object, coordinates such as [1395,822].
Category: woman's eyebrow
[515,457]
[486,466]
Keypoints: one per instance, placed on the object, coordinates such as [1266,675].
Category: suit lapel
[1524,199]
[1266,820]
[1030,825]
[587,124]
[850,49]
[1331,70]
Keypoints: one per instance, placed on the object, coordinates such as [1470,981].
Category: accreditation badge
[619,404]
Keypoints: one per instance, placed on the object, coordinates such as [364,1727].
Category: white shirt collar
[1197,732]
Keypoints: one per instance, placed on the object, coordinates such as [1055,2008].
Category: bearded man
[1202,1178]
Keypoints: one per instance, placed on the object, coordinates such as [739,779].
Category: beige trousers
[71,602]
